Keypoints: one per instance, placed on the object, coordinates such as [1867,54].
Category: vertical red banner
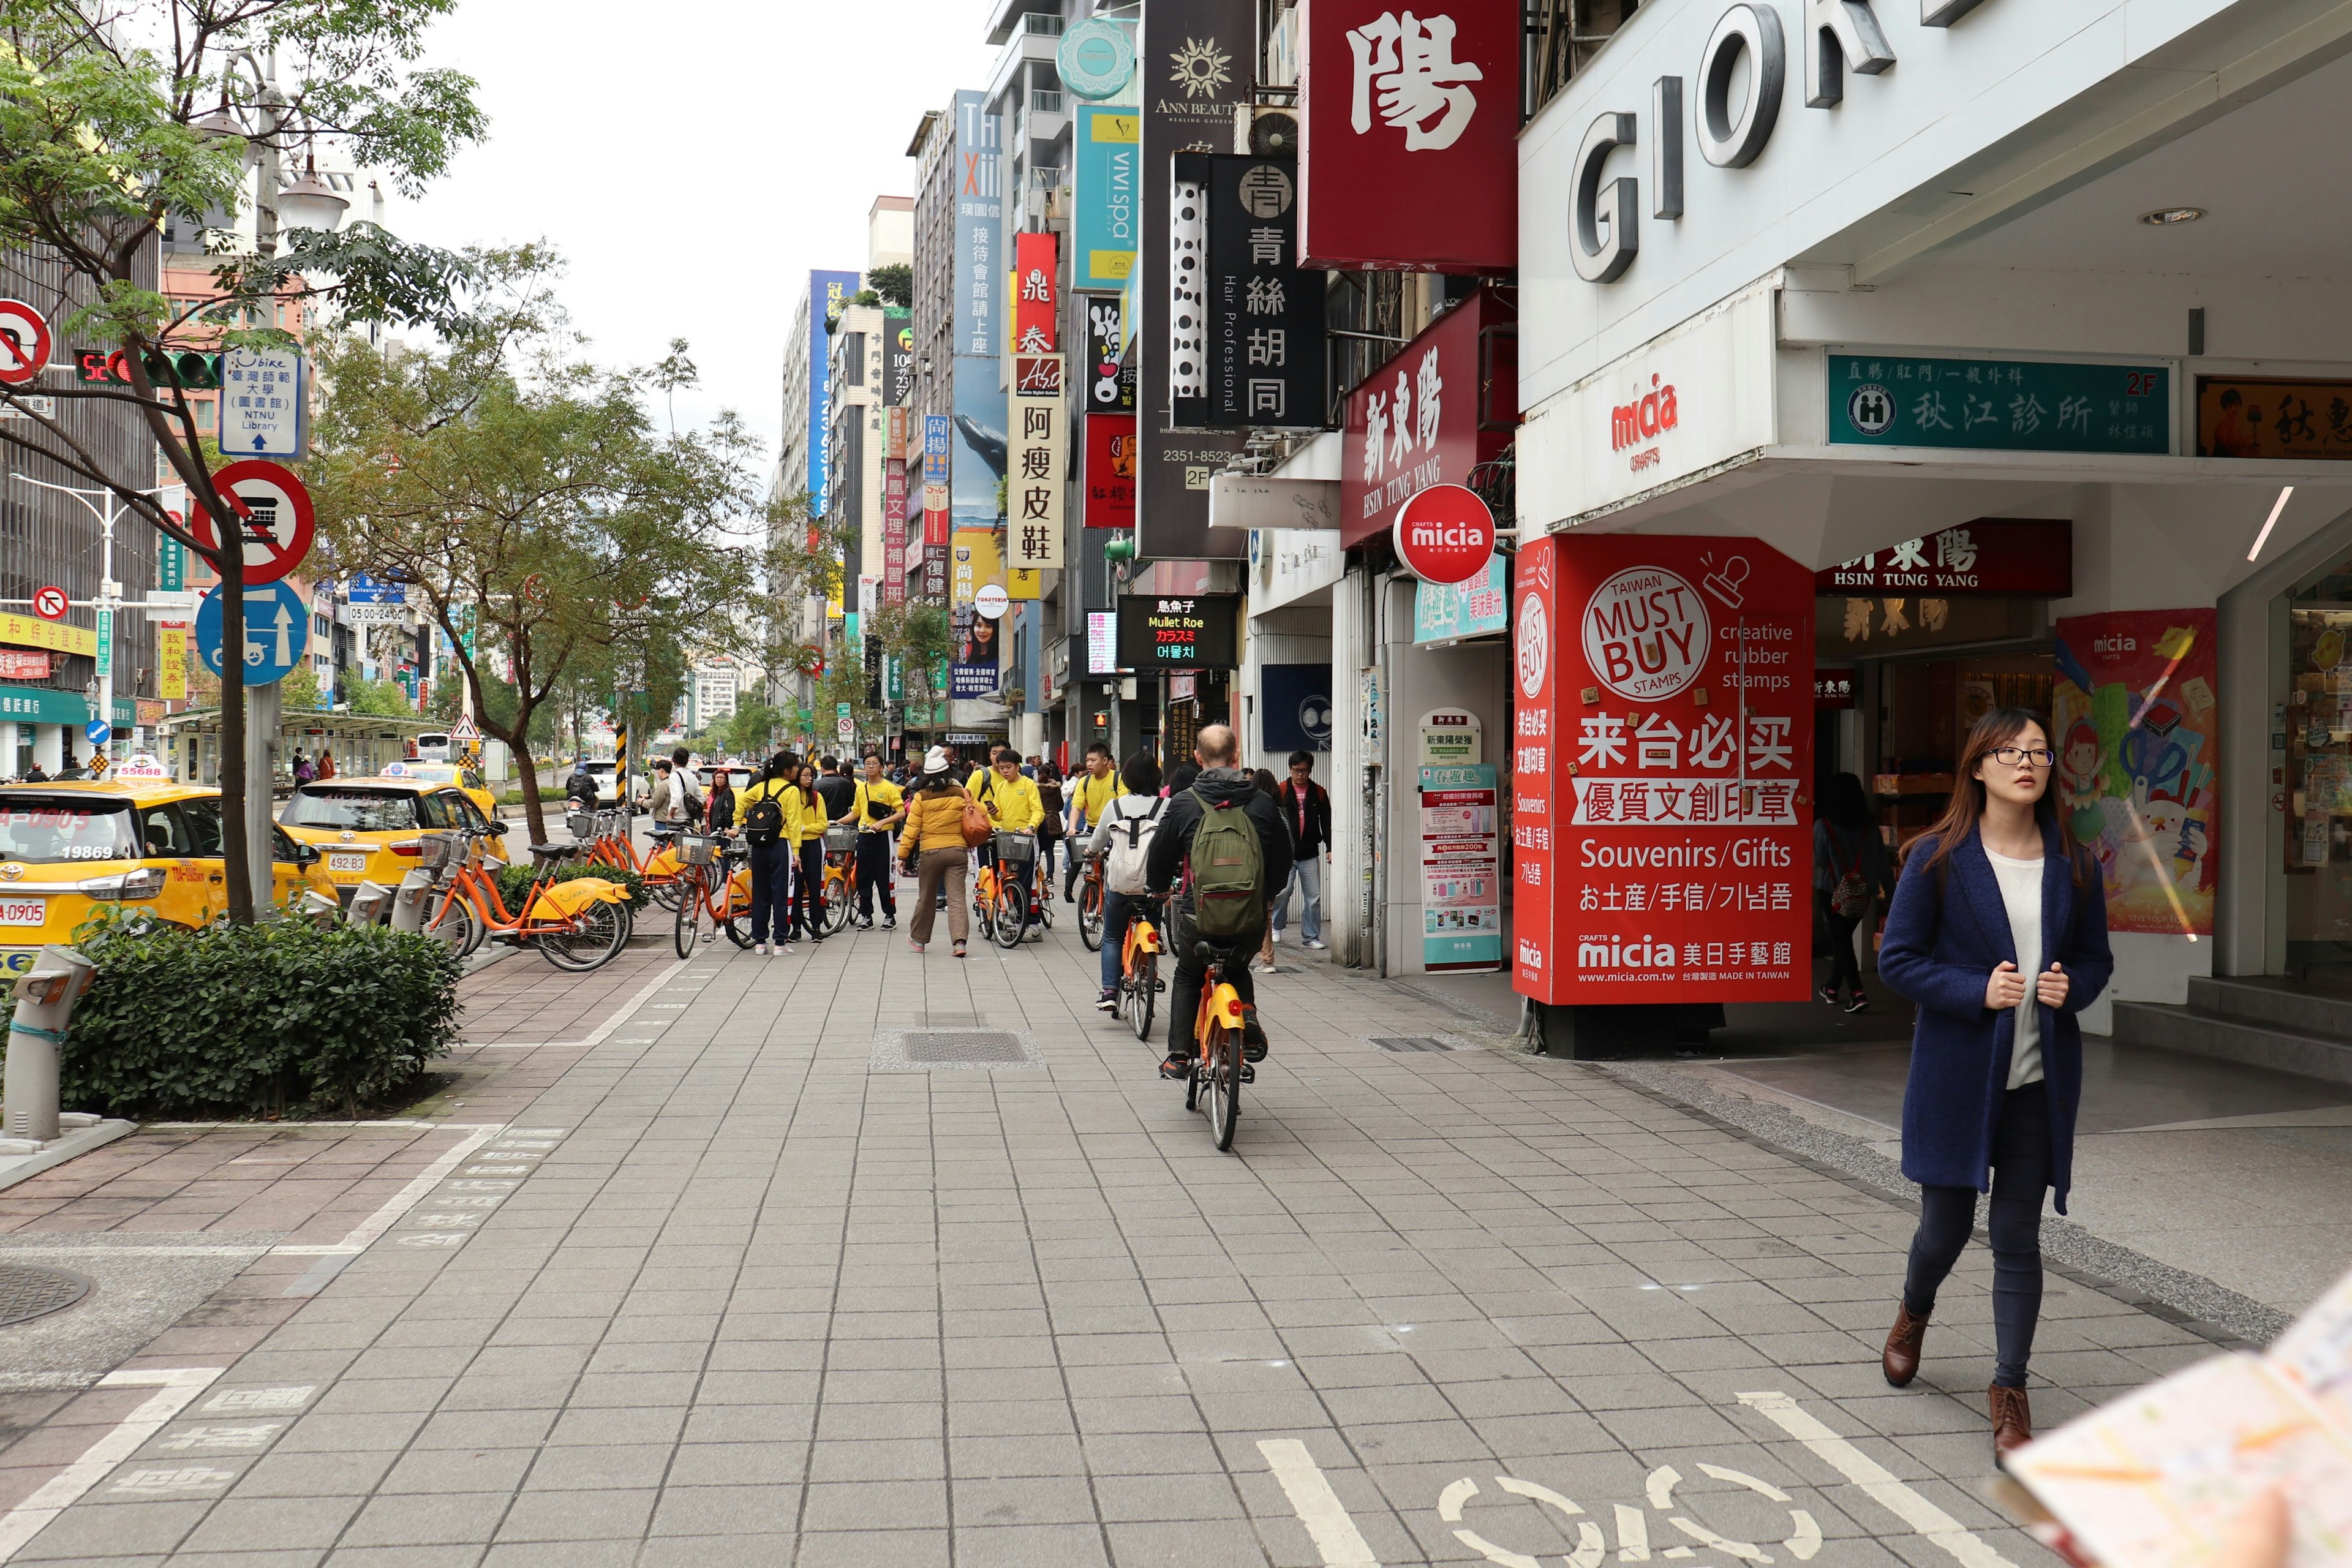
[894,530]
[1667,699]
[1110,470]
[1034,330]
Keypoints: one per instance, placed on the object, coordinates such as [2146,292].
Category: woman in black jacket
[1850,873]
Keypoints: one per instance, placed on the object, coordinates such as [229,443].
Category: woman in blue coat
[1999,931]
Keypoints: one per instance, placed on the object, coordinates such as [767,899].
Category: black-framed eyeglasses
[2024,756]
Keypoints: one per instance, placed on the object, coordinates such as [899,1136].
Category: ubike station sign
[1661,763]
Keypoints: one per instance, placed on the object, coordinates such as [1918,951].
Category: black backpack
[764,821]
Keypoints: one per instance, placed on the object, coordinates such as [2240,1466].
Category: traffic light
[189,369]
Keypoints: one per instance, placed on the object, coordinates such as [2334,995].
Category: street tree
[525,496]
[118,117]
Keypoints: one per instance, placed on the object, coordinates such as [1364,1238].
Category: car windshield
[360,810]
[37,829]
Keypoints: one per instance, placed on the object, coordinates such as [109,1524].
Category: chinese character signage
[1262,342]
[978,211]
[1449,612]
[1106,189]
[261,402]
[828,292]
[2254,416]
[1461,869]
[897,357]
[1186,632]
[979,657]
[1834,688]
[1409,125]
[1109,385]
[938,435]
[1193,69]
[894,530]
[2008,406]
[1663,747]
[1430,415]
[1110,470]
[1037,463]
[1034,310]
[2137,731]
[2028,556]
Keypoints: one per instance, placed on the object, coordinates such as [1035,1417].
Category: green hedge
[514,882]
[281,1018]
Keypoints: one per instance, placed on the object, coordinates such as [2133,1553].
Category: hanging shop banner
[1409,136]
[1107,191]
[977,462]
[979,653]
[1035,312]
[2138,737]
[894,529]
[1109,385]
[2260,416]
[939,436]
[1039,463]
[1449,612]
[1110,470]
[979,214]
[1663,745]
[1993,405]
[1193,68]
[897,357]
[172,661]
[1429,416]
[2028,557]
[1461,869]
[1182,632]
[1261,349]
[23,664]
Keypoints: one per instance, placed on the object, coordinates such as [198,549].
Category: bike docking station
[38,1134]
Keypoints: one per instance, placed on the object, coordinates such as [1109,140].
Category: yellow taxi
[373,829]
[67,848]
[456,774]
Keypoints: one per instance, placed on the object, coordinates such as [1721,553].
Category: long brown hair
[1996,729]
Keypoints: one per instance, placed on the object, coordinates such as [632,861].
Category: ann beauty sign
[1661,768]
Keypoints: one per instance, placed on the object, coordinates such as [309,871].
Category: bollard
[408,905]
[371,904]
[319,910]
[45,1003]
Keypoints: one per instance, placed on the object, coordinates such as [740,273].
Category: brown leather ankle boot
[1901,1357]
[2012,1422]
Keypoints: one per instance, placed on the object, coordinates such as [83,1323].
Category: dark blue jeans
[1947,1216]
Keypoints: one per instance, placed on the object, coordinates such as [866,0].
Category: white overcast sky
[693,159]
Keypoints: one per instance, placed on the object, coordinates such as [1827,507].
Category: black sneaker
[1253,1042]
[1177,1067]
[1108,1002]
[889,922]
[1860,1004]
[866,924]
[1828,994]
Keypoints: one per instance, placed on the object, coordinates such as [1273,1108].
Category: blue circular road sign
[100,731]
[276,632]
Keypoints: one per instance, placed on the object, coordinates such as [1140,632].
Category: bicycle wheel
[1012,914]
[730,911]
[666,894]
[834,908]
[593,940]
[1141,990]
[693,924]
[1090,916]
[1045,907]
[457,925]
[1224,1083]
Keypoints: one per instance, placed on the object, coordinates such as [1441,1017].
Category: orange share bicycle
[1091,907]
[714,891]
[610,843]
[839,895]
[1138,973]
[577,925]
[1219,1069]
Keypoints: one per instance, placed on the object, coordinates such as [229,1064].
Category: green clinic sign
[1995,405]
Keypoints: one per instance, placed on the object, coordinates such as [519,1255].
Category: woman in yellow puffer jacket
[932,848]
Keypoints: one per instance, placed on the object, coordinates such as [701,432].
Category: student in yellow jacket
[1090,794]
[1011,803]
[773,848]
[808,852]
[876,809]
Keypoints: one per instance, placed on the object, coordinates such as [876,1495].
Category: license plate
[347,862]
[23,912]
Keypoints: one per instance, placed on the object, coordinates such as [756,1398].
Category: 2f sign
[1740,77]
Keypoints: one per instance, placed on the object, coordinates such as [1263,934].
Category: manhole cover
[27,1292]
[1410,1043]
[960,1045]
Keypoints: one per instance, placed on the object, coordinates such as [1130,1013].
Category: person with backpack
[1849,870]
[931,849]
[1124,833]
[579,790]
[685,801]
[1090,795]
[1226,843]
[771,808]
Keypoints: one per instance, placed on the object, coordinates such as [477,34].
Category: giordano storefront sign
[1735,86]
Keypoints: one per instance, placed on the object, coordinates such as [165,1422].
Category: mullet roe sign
[1444,404]
[1663,748]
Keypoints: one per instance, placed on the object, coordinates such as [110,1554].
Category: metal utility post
[106,507]
[263,707]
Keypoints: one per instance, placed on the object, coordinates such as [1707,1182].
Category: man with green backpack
[1224,849]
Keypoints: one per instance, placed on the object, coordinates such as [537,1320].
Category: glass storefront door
[2316,851]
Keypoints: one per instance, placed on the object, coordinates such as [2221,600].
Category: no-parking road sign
[25,343]
[279,521]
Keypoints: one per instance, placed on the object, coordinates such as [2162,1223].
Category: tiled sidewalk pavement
[729,1295]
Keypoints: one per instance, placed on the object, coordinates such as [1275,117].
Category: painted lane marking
[1925,1518]
[1632,1524]
[218,1439]
[1318,1506]
[259,1400]
[400,1203]
[175,1388]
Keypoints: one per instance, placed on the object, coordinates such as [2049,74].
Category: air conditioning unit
[1268,130]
